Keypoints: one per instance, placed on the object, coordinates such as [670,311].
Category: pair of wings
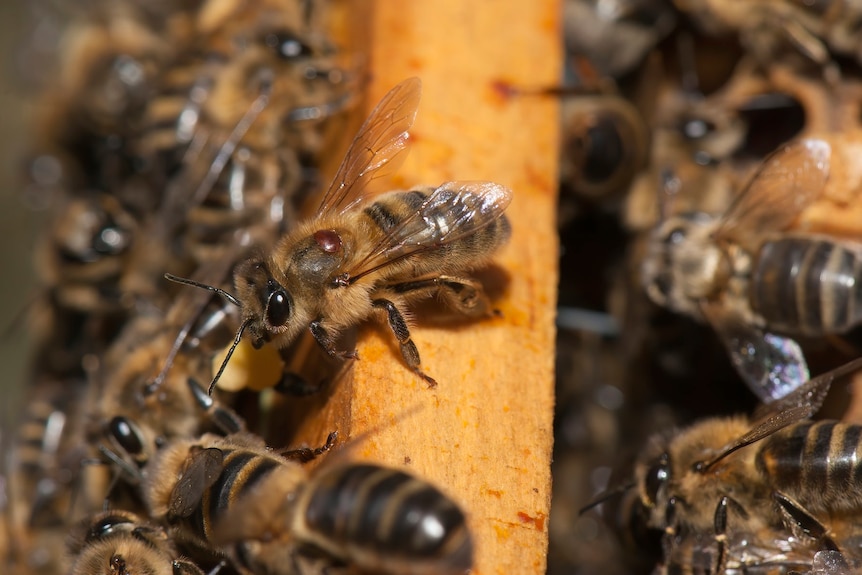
[450,212]
[787,182]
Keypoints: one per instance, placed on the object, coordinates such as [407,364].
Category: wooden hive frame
[484,434]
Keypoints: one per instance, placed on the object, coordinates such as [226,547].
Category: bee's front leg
[402,333]
[327,342]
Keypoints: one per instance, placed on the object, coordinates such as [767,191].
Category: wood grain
[484,434]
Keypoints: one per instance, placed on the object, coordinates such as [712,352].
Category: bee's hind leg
[465,296]
[402,333]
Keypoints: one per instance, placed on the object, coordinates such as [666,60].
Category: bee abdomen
[820,461]
[242,470]
[807,286]
[384,519]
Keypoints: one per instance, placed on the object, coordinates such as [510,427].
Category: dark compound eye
[127,435]
[110,240]
[278,308]
[677,235]
[287,45]
[107,526]
[657,475]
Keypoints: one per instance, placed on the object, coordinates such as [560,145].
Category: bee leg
[225,419]
[720,525]
[325,340]
[402,333]
[464,295]
[306,454]
[801,522]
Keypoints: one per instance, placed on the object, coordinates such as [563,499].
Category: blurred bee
[774,476]
[121,543]
[615,36]
[49,487]
[236,128]
[148,384]
[356,257]
[83,257]
[746,275]
[393,523]
[766,27]
[605,144]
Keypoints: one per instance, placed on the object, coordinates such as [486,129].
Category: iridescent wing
[771,365]
[382,138]
[202,470]
[796,406]
[787,181]
[449,213]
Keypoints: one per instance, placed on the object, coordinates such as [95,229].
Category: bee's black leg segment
[398,325]
[224,418]
[720,526]
[326,341]
[464,295]
[306,454]
[801,521]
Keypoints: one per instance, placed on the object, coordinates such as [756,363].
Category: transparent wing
[382,137]
[771,365]
[809,396]
[450,212]
[799,405]
[787,181]
[202,470]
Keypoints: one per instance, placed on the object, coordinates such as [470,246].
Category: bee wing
[796,406]
[450,212]
[809,396]
[382,137]
[771,365]
[787,181]
[202,470]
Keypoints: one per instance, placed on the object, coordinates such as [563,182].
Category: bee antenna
[606,495]
[229,297]
[228,356]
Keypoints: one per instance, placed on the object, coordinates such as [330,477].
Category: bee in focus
[121,543]
[362,255]
[235,496]
[772,490]
[748,276]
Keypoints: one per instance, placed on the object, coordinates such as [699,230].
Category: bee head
[267,305]
[682,264]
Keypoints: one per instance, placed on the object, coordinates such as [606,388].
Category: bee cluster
[180,142]
[711,254]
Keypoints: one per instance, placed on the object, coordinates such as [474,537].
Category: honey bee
[357,258]
[148,385]
[746,275]
[84,256]
[121,543]
[616,37]
[606,143]
[747,483]
[766,27]
[394,523]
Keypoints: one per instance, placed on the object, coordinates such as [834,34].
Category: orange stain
[495,492]
[538,520]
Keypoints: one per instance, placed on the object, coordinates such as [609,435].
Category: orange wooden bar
[484,434]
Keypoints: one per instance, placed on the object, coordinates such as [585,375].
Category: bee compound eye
[656,477]
[287,45]
[127,434]
[278,308]
[107,526]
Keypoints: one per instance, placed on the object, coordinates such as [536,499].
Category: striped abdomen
[382,519]
[817,463]
[242,470]
[807,286]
